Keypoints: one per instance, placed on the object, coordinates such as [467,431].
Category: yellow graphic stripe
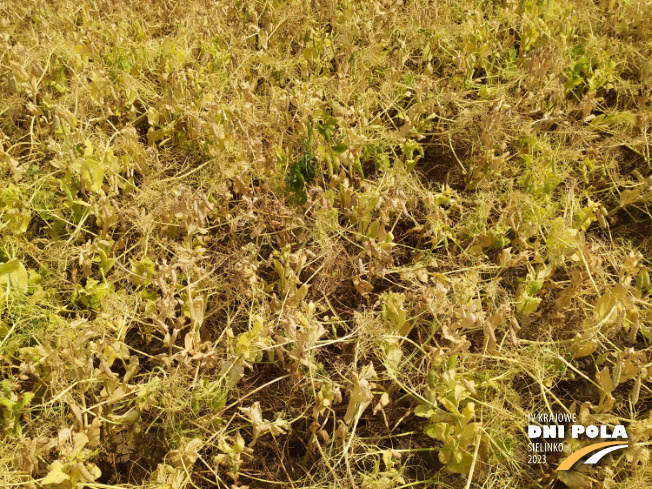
[571,459]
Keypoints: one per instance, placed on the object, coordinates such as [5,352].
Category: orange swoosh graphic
[574,457]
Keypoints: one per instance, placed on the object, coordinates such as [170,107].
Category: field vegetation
[326,244]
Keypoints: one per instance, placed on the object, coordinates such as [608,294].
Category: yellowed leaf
[604,379]
[582,347]
[56,475]
[604,305]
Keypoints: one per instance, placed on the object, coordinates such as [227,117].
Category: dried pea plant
[337,244]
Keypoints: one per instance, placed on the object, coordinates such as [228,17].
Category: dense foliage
[326,244]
